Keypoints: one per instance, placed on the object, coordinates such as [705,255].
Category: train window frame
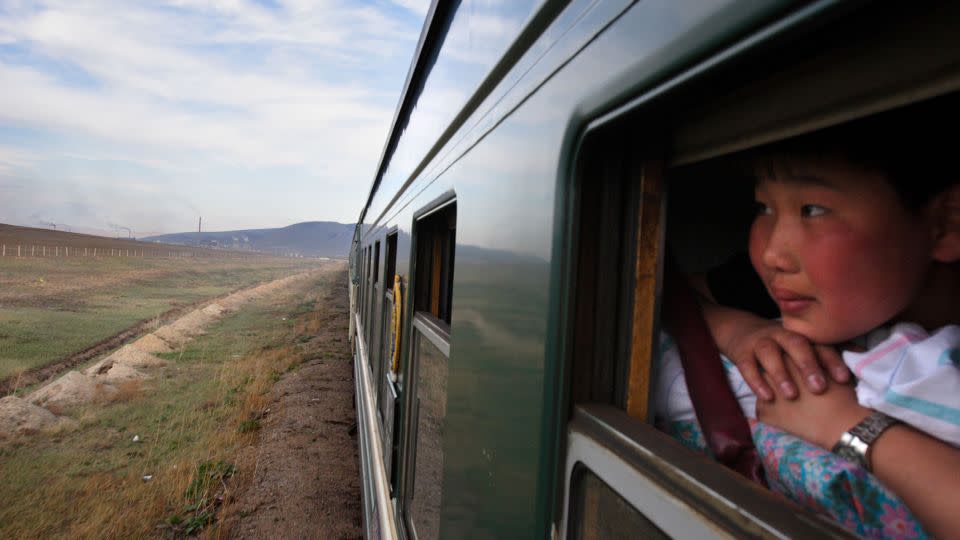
[684,494]
[358,285]
[365,292]
[376,262]
[386,388]
[386,299]
[630,406]
[624,196]
[583,502]
[361,271]
[369,314]
[390,270]
[436,296]
[423,324]
[373,349]
[642,178]
[370,295]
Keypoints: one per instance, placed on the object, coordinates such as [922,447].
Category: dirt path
[306,482]
[49,371]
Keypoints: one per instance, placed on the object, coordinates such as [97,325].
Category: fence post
[18,250]
[67,248]
[57,254]
[33,251]
[94,252]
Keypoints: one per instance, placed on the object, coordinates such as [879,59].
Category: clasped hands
[818,409]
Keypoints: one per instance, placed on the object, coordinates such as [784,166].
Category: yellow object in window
[397,318]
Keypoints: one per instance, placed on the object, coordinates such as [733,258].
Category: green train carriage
[507,265]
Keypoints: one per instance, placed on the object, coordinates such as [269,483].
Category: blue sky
[251,113]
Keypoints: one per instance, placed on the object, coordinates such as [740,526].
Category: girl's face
[836,249]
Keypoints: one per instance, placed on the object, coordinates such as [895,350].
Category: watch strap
[854,444]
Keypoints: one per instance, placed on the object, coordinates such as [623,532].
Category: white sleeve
[672,399]
[914,377]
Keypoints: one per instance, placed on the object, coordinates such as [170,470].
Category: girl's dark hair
[914,147]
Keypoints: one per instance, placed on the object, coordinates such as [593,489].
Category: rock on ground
[172,335]
[214,309]
[192,323]
[152,344]
[19,417]
[130,355]
[120,365]
[70,390]
[119,373]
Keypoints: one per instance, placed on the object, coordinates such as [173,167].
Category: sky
[119,115]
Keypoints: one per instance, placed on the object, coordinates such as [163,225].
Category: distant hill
[34,237]
[311,238]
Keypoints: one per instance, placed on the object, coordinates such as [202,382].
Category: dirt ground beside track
[306,481]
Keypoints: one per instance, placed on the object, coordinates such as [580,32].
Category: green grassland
[50,308]
[193,417]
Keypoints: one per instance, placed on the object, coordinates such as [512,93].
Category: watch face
[854,445]
[850,453]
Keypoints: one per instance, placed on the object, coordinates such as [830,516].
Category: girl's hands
[820,419]
[761,348]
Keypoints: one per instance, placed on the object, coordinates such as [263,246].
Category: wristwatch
[854,444]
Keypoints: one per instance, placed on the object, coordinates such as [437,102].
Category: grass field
[52,307]
[193,418]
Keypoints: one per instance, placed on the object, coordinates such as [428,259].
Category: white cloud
[419,7]
[205,93]
[13,158]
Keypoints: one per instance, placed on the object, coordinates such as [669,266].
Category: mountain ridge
[308,238]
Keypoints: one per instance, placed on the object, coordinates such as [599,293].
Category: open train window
[433,244]
[374,305]
[434,275]
[389,335]
[361,265]
[624,478]
[688,194]
[376,262]
[387,388]
[704,225]
[391,268]
[368,285]
[618,235]
[361,275]
[364,290]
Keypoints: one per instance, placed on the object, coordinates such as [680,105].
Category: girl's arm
[923,471]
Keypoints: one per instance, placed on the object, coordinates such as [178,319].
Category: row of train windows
[434,240]
[598,510]
[431,298]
